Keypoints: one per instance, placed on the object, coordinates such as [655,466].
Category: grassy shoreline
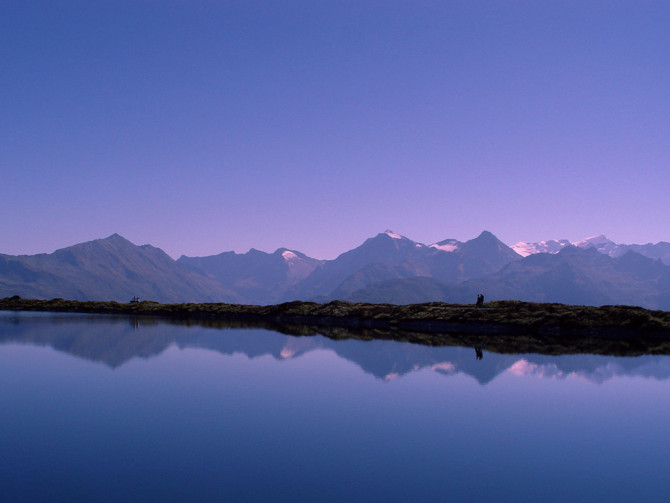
[498,317]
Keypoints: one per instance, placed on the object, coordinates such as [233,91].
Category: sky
[201,127]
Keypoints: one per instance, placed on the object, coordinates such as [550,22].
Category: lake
[97,408]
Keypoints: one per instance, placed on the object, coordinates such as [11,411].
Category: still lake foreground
[99,408]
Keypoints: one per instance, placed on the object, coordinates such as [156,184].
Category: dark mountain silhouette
[107,269]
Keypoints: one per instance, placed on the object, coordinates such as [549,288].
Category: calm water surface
[113,409]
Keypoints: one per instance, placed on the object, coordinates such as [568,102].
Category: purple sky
[202,127]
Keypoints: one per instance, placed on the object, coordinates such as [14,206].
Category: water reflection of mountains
[116,340]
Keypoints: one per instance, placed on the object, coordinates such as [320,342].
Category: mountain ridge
[660,250]
[104,269]
[387,267]
[572,276]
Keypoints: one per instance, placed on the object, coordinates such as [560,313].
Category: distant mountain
[256,276]
[453,262]
[600,243]
[390,256]
[660,251]
[481,256]
[579,276]
[572,276]
[551,246]
[447,245]
[107,269]
[385,250]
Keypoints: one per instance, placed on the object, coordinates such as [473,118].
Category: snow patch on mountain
[447,367]
[525,368]
[287,353]
[393,234]
[602,244]
[550,246]
[289,255]
[601,239]
[448,246]
[525,249]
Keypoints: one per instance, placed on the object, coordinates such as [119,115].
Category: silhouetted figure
[480,300]
[135,300]
[478,353]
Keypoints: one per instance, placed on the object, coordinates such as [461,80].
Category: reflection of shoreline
[436,319]
[492,343]
[114,341]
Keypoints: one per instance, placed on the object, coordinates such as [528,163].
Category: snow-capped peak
[602,244]
[289,255]
[392,234]
[594,241]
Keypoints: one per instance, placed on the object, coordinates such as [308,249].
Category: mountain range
[387,268]
[601,243]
